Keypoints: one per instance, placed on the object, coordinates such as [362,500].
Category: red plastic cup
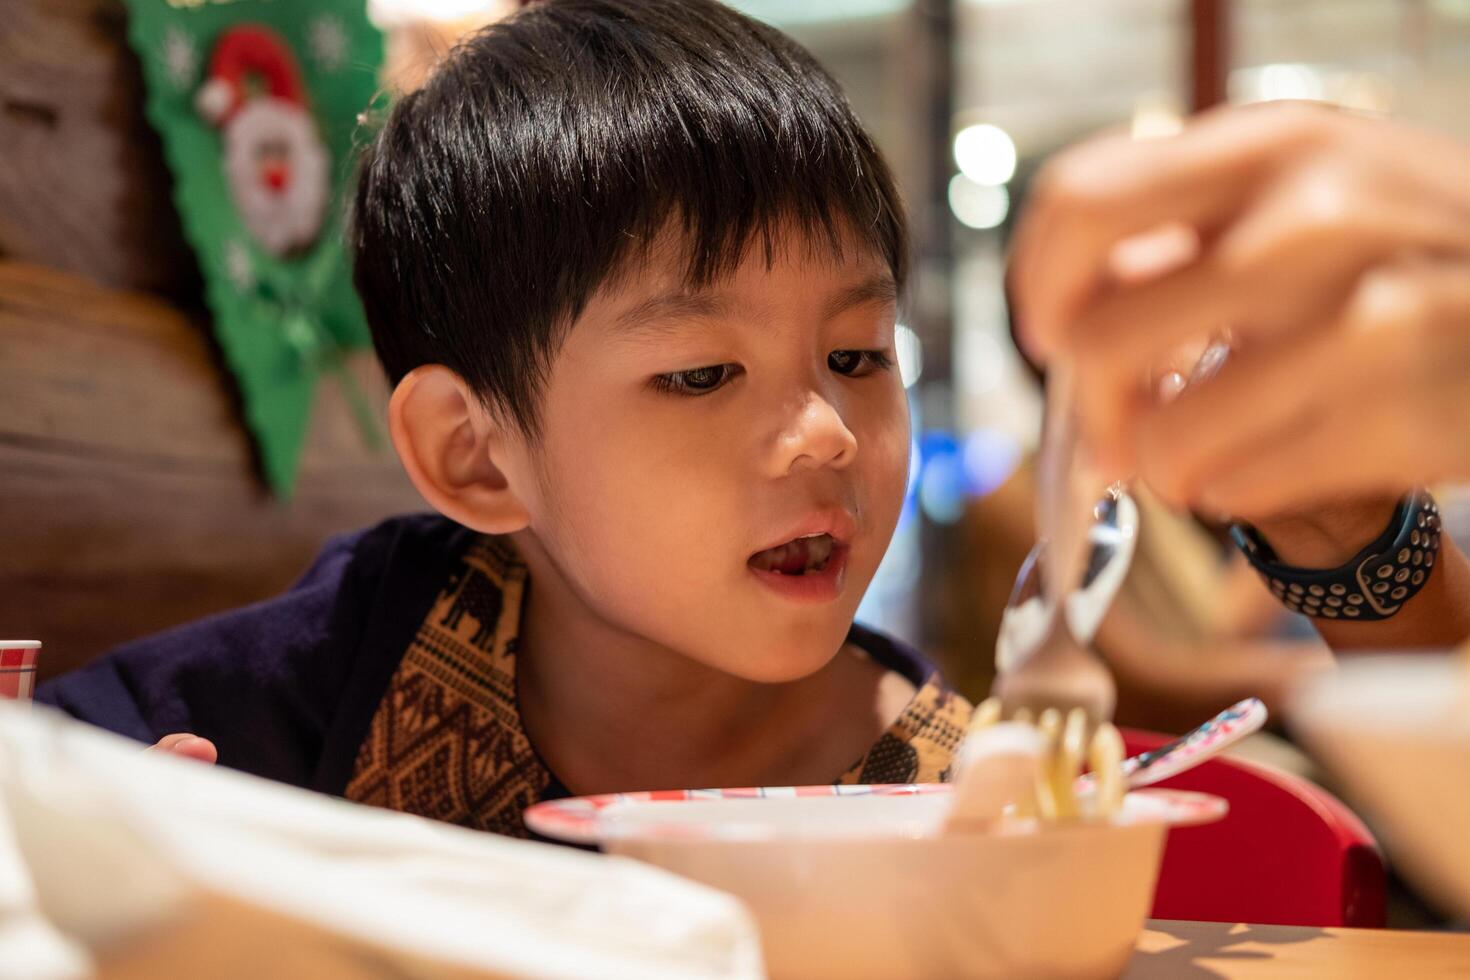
[18,668]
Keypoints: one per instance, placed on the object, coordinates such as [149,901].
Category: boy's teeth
[796,557]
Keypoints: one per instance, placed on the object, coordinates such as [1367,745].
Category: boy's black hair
[550,149]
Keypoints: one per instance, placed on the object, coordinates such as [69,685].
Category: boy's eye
[698,381]
[855,363]
[703,380]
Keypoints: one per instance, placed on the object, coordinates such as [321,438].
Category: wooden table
[225,944]
[1225,951]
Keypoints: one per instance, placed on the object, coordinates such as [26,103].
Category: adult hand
[1334,249]
[186,745]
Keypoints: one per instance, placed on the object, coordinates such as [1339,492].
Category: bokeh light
[985,153]
[979,206]
[910,350]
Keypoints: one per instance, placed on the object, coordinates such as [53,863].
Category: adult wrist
[1372,584]
[1326,536]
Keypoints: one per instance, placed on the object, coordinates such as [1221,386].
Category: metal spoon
[1042,660]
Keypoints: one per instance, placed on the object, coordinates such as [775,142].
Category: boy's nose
[816,436]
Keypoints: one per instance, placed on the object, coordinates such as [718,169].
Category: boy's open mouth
[797,557]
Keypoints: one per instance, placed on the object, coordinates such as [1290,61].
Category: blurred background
[130,494]
[967,99]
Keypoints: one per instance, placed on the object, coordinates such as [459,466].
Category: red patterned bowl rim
[576,820]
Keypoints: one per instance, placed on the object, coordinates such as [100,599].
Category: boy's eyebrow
[877,288]
[668,312]
[665,312]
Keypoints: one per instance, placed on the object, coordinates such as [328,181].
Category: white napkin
[30,947]
[109,842]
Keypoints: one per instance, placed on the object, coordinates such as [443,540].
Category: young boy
[633,268]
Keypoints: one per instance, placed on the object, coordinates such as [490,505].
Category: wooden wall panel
[128,497]
[83,186]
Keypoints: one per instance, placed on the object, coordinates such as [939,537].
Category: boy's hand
[188,746]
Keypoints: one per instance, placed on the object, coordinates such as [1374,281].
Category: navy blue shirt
[284,688]
[287,688]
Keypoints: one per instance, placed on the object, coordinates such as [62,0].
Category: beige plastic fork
[1060,674]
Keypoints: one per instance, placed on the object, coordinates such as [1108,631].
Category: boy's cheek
[889,454]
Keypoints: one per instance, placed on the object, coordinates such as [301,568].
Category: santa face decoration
[276,166]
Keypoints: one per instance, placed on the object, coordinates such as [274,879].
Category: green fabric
[281,321]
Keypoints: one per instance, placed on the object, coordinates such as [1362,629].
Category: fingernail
[1170,385]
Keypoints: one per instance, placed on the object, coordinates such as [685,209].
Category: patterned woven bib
[446,741]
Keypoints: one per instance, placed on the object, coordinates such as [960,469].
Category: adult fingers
[1259,395]
[1337,456]
[1092,197]
[1374,402]
[1287,265]
[1125,341]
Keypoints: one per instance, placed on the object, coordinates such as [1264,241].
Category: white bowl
[861,885]
[1396,730]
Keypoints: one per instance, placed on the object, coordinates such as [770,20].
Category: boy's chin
[781,660]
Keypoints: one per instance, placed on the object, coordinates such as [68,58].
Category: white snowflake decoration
[180,58]
[327,39]
[238,266]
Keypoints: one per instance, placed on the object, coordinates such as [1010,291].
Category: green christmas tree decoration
[257,103]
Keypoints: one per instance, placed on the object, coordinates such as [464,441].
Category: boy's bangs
[552,150]
[735,156]
[708,254]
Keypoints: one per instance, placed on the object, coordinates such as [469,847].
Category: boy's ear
[453,450]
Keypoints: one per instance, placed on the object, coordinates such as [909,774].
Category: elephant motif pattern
[446,741]
[920,746]
[472,592]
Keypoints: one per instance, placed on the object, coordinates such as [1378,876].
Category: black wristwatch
[1374,584]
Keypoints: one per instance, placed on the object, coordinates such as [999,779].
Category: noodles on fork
[1054,795]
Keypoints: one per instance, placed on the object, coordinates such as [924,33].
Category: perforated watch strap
[1374,584]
